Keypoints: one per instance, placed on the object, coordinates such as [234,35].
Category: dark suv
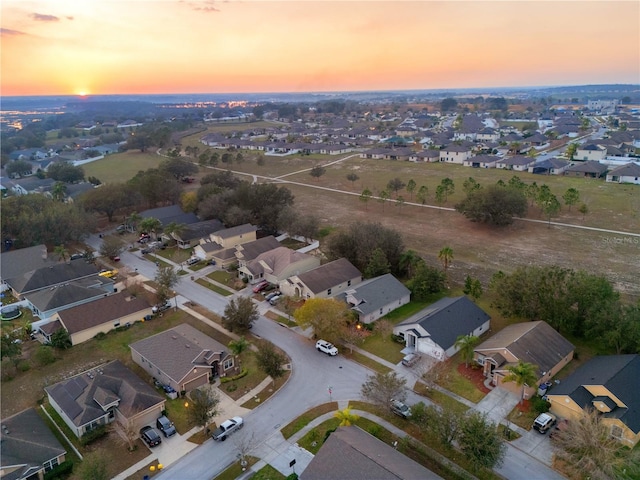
[166,426]
[150,436]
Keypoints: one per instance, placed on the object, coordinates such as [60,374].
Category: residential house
[14,263]
[50,276]
[608,384]
[170,214]
[277,265]
[29,447]
[518,163]
[103,395]
[183,358]
[100,316]
[590,151]
[481,161]
[194,232]
[455,154]
[221,245]
[551,166]
[532,342]
[434,330]
[629,173]
[376,297]
[325,281]
[425,156]
[351,453]
[249,251]
[46,302]
[589,169]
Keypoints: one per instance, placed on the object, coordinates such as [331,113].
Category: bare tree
[381,388]
[384,328]
[244,443]
[128,434]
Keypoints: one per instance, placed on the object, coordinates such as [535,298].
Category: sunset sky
[188,46]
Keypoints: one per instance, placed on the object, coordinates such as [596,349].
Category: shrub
[327,433]
[232,388]
[374,430]
[100,335]
[8,369]
[539,405]
[93,435]
[292,476]
[23,365]
[243,373]
[59,471]
[44,355]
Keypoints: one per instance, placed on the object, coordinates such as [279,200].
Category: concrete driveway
[497,404]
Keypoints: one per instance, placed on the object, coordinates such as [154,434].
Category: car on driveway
[400,409]
[544,422]
[150,436]
[260,286]
[166,426]
[410,360]
[161,307]
[108,273]
[326,347]
[269,296]
[275,299]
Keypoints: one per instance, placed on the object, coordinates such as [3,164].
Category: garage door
[196,382]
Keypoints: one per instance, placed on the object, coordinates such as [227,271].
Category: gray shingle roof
[52,275]
[68,294]
[375,293]
[177,350]
[28,441]
[249,251]
[631,169]
[620,374]
[329,275]
[17,262]
[353,454]
[448,318]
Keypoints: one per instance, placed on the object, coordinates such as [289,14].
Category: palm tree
[132,221]
[409,260]
[150,224]
[465,345]
[446,255]
[238,346]
[524,374]
[346,417]
[59,191]
[61,252]
[174,228]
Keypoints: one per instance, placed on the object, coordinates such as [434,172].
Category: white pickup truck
[226,428]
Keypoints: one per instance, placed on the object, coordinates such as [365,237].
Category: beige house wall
[293,269]
[106,327]
[235,240]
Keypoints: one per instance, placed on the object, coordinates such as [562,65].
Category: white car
[226,428]
[326,347]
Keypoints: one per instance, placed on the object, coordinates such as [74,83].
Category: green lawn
[366,361]
[440,398]
[268,473]
[213,287]
[383,347]
[120,167]
[405,311]
[303,420]
[236,470]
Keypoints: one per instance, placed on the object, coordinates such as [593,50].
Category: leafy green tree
[110,198]
[411,187]
[61,339]
[426,281]
[531,192]
[352,177]
[494,205]
[166,277]
[571,197]
[20,168]
[517,183]
[571,150]
[238,346]
[178,168]
[445,255]
[173,228]
[346,417]
[465,345]
[365,196]
[378,264]
[65,172]
[480,441]
[441,195]
[383,196]
[270,360]
[240,314]
[59,191]
[523,375]
[326,316]
[10,345]
[448,104]
[448,186]
[317,171]
[394,185]
[61,252]
[423,194]
[204,405]
[381,388]
[550,207]
[469,185]
[620,328]
[444,423]
[156,187]
[409,261]
[583,209]
[150,225]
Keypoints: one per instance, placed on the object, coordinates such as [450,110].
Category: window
[116,325]
[48,466]
[616,431]
[329,292]
[228,364]
[349,283]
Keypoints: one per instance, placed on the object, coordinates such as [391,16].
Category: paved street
[313,375]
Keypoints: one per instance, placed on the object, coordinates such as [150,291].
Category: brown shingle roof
[329,275]
[103,310]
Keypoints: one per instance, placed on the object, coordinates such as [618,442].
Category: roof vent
[186,345]
[174,337]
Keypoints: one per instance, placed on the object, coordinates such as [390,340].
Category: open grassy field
[120,167]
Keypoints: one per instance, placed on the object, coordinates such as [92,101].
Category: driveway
[497,404]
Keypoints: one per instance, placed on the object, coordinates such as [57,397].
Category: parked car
[401,409]
[193,261]
[227,428]
[108,273]
[121,228]
[150,436]
[76,256]
[410,359]
[161,307]
[544,422]
[146,250]
[326,347]
[275,299]
[166,426]
[269,296]
[260,286]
